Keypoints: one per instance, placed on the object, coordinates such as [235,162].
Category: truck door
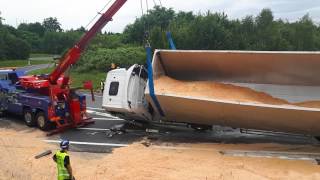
[136,86]
[114,93]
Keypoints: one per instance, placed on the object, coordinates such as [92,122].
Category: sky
[76,13]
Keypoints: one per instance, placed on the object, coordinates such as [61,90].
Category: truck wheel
[42,121]
[317,138]
[28,117]
[2,113]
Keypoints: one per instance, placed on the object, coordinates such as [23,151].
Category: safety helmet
[64,144]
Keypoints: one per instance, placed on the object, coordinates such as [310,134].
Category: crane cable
[98,13]
[141,6]
[160,3]
[155,3]
[146,24]
[149,65]
[147,5]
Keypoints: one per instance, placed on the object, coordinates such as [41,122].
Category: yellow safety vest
[62,170]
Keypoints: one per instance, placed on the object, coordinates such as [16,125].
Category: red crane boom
[56,85]
[74,53]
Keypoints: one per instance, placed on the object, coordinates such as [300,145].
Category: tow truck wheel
[42,121]
[2,113]
[28,117]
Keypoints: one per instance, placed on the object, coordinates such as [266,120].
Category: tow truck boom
[59,103]
[74,53]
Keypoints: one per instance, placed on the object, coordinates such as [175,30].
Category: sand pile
[201,161]
[181,161]
[221,91]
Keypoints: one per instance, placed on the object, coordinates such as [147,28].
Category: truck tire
[42,121]
[2,114]
[28,117]
[317,138]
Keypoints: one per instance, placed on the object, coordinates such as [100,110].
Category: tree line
[206,31]
[46,37]
[215,31]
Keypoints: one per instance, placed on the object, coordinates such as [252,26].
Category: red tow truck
[46,100]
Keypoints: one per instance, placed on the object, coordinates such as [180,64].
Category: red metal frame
[57,85]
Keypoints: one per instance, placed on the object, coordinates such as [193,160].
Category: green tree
[305,34]
[101,58]
[36,28]
[3,45]
[32,39]
[11,45]
[81,29]
[266,31]
[1,19]
[159,17]
[16,48]
[52,25]
[248,32]
[108,41]
[59,42]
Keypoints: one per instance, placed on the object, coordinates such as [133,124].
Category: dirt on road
[157,160]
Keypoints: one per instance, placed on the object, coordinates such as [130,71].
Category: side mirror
[89,86]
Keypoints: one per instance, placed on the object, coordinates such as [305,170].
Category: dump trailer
[272,91]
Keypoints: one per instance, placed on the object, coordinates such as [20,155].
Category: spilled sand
[18,147]
[221,91]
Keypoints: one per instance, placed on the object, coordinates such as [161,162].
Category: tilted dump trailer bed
[274,91]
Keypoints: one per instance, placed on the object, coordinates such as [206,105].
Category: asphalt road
[96,137]
[34,67]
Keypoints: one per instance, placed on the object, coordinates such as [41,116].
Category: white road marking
[92,133]
[101,114]
[92,108]
[93,129]
[89,143]
[125,145]
[106,119]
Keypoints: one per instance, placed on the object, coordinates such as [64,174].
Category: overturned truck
[272,91]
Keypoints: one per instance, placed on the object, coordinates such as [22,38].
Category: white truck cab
[124,93]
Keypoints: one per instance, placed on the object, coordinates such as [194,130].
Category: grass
[38,55]
[21,63]
[78,78]
[95,77]
[41,71]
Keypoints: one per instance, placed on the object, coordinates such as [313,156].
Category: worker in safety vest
[63,162]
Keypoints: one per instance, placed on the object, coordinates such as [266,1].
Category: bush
[58,42]
[100,59]
[12,47]
[16,48]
